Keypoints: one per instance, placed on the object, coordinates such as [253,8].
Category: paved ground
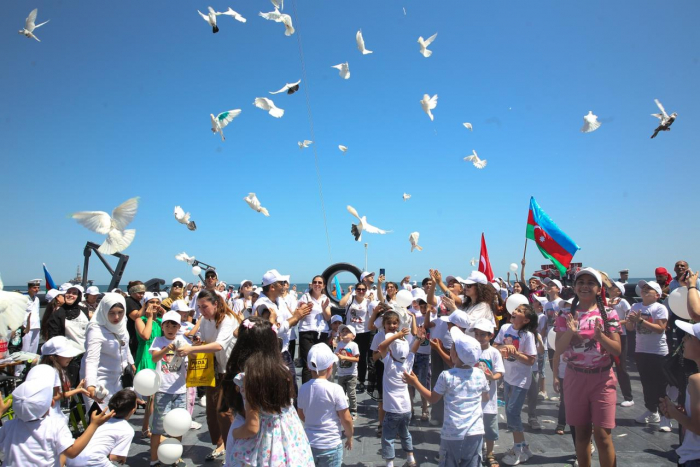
[636,445]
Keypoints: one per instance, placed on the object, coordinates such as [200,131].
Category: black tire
[332,271]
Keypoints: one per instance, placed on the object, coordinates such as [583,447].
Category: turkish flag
[484,263]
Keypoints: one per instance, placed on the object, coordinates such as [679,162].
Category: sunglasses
[177,284]
[469,286]
[210,276]
[317,282]
[360,290]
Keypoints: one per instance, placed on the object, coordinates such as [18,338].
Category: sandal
[379,431]
[146,434]
[559,430]
[425,416]
[215,455]
[491,461]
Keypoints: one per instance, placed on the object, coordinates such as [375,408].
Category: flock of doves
[114,227]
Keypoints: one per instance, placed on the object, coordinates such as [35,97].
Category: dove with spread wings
[114,227]
[665,120]
[13,308]
[357,229]
[184,218]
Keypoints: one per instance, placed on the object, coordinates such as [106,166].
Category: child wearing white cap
[57,353]
[323,408]
[348,353]
[465,388]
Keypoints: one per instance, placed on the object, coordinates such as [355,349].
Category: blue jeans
[162,404]
[514,398]
[692,463]
[328,457]
[461,453]
[421,367]
[396,424]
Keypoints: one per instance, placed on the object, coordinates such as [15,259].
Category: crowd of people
[456,342]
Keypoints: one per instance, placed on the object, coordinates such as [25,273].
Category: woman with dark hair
[136,291]
[148,328]
[521,288]
[70,320]
[218,325]
[357,314]
[391,290]
[54,302]
[479,298]
[313,328]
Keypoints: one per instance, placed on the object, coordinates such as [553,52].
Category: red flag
[484,263]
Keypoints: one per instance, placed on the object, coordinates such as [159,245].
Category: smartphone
[382,272]
[448,294]
[686,275]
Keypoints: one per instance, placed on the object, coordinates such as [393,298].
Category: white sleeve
[225,332]
[500,336]
[341,400]
[528,344]
[497,362]
[93,343]
[123,442]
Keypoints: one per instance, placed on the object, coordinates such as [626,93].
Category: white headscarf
[100,317]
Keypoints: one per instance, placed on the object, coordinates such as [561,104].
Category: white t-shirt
[314,321]
[424,348]
[623,307]
[283,314]
[479,311]
[378,338]
[357,315]
[517,373]
[396,398]
[462,388]
[321,400]
[114,437]
[223,335]
[345,367]
[690,449]
[441,331]
[242,307]
[491,361]
[33,308]
[542,327]
[649,341]
[39,442]
[172,368]
[551,310]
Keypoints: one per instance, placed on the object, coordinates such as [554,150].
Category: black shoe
[360,388]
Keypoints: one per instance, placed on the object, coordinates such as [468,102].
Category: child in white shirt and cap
[464,388]
[323,408]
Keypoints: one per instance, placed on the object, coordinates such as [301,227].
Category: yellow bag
[200,370]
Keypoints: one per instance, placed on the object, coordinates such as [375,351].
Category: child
[397,404]
[173,372]
[33,437]
[465,388]
[619,304]
[58,352]
[687,416]
[534,393]
[333,338]
[388,321]
[551,310]
[111,441]
[348,353]
[517,344]
[187,330]
[323,407]
[491,363]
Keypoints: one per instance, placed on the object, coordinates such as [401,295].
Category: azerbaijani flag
[50,284]
[553,243]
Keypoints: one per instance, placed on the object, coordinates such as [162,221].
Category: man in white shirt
[32,322]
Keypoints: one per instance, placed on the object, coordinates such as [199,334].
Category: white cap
[365,274]
[419,294]
[483,324]
[79,287]
[468,349]
[476,277]
[41,372]
[61,346]
[496,286]
[556,282]
[460,319]
[561,300]
[692,329]
[180,305]
[65,286]
[590,272]
[542,300]
[399,348]
[320,357]
[172,316]
[257,290]
[653,284]
[349,327]
[449,279]
[336,318]
[53,293]
[244,281]
[180,280]
[148,296]
[620,286]
[92,290]
[32,399]
[272,276]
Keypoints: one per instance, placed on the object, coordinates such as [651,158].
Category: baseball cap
[336,318]
[553,281]
[468,349]
[209,272]
[61,346]
[496,286]
[653,284]
[542,300]
[320,357]
[693,329]
[149,296]
[460,319]
[53,293]
[272,276]
[399,348]
[349,327]
[92,290]
[365,274]
[65,286]
[32,399]
[476,277]
[257,290]
[180,280]
[79,287]
[419,294]
[590,272]
[620,286]
[449,279]
[483,324]
[171,316]
[244,282]
[180,305]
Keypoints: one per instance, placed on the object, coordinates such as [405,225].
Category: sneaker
[527,454]
[648,417]
[665,425]
[542,396]
[195,425]
[203,401]
[360,388]
[534,424]
[627,404]
[514,456]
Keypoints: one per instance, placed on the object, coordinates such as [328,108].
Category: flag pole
[525,250]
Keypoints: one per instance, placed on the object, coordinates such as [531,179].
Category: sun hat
[365,274]
[272,276]
[483,324]
[653,284]
[476,277]
[92,290]
[32,399]
[61,346]
[320,357]
[172,316]
[349,327]
[468,349]
[590,272]
[460,319]
[180,305]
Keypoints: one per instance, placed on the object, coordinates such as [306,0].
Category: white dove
[343,148]
[220,121]
[267,104]
[254,204]
[278,17]
[406,197]
[429,103]
[211,17]
[665,120]
[344,70]
[234,14]
[13,308]
[474,159]
[304,144]
[289,88]
[185,258]
[413,238]
[424,43]
[468,126]
[184,218]
[590,123]
[361,43]
[357,229]
[29,25]
[279,4]
[118,239]
[473,261]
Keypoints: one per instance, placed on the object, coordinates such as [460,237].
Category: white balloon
[678,302]
[169,451]
[513,267]
[177,422]
[404,298]
[514,301]
[196,270]
[147,382]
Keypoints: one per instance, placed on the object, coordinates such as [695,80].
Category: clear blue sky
[115,102]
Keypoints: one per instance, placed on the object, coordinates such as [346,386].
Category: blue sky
[115,103]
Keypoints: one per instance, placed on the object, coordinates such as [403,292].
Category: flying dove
[406,197]
[429,103]
[424,45]
[357,229]
[30,26]
[220,121]
[304,144]
[184,257]
[289,88]
[278,17]
[468,126]
[267,104]
[361,43]
[211,17]
[665,120]
[413,239]
[344,70]
[590,123]
[13,308]
[184,218]
[343,148]
[254,204]
[474,159]
[118,239]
